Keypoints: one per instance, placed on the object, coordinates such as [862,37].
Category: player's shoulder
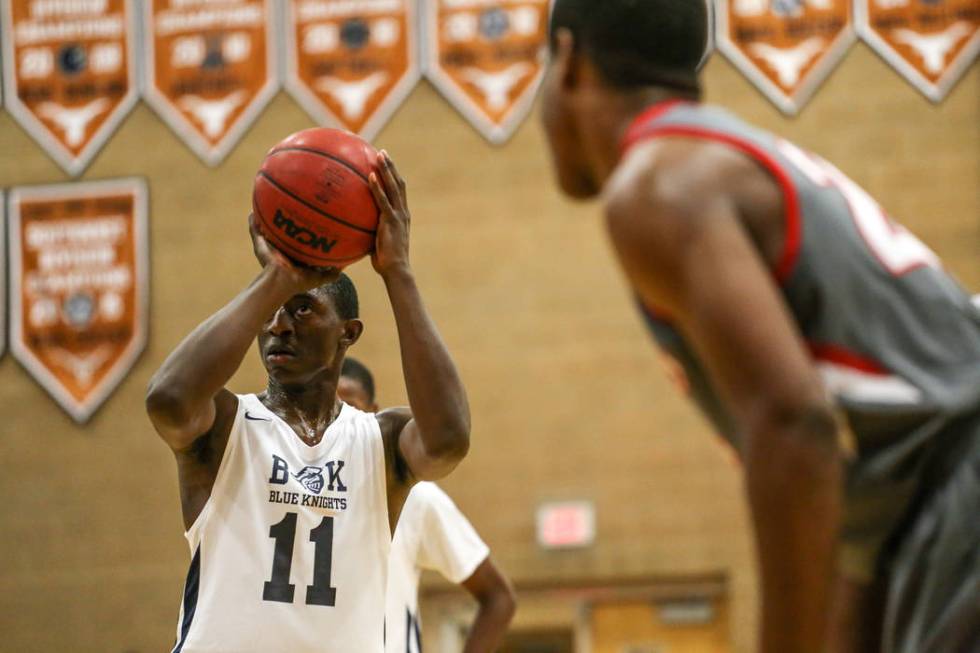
[359,423]
[675,171]
[428,501]
[429,493]
[350,411]
[393,420]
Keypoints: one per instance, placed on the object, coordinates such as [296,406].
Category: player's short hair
[343,294]
[355,369]
[636,43]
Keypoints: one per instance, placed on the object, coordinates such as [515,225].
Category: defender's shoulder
[667,188]
[428,493]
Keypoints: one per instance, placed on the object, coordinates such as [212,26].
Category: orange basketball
[312,200]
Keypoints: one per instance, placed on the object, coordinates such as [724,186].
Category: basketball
[311,197]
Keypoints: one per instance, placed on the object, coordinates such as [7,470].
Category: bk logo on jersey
[310,477]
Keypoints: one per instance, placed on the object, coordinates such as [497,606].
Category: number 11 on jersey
[278,588]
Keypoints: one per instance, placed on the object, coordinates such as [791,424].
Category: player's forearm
[491,624]
[206,359]
[793,473]
[435,391]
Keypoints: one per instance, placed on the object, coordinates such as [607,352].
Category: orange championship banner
[351,63]
[931,44]
[69,73]
[78,287]
[786,48]
[487,58]
[210,68]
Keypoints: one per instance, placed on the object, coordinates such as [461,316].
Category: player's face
[305,338]
[352,392]
[558,117]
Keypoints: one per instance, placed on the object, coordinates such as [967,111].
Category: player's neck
[609,124]
[313,403]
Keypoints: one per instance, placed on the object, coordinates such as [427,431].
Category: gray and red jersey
[895,338]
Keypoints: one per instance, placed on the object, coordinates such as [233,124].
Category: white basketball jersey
[431,534]
[290,553]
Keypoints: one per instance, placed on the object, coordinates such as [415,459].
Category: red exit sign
[566,524]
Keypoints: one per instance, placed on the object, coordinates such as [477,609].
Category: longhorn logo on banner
[785,47]
[351,63]
[931,44]
[78,286]
[486,57]
[69,73]
[210,69]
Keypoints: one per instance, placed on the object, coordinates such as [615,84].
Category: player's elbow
[505,602]
[499,600]
[171,413]
[793,442]
[807,418]
[162,402]
[452,445]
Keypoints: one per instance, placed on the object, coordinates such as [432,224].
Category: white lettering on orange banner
[487,59]
[210,69]
[78,286]
[785,47]
[69,72]
[351,64]
[931,44]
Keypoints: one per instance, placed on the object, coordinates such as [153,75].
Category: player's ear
[564,58]
[352,332]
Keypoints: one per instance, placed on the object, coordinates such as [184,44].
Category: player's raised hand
[391,242]
[304,277]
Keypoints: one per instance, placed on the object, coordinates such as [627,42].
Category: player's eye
[304,310]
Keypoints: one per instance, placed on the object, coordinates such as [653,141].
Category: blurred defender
[433,534]
[292,489]
[763,271]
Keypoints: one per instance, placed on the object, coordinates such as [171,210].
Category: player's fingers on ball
[394,172]
[390,164]
[388,174]
[380,197]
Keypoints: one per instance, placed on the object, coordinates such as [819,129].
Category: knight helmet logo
[311,478]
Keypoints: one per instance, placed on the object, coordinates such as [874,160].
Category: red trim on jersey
[793,216]
[847,358]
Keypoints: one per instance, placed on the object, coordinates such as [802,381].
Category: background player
[433,534]
[759,265]
[292,487]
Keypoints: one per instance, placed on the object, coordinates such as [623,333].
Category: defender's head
[356,386]
[606,48]
[308,336]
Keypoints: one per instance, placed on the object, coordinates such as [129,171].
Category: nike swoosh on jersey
[256,419]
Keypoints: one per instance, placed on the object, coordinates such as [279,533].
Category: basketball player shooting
[433,534]
[775,281]
[290,496]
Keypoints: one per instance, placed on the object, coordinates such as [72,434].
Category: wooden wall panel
[568,399]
